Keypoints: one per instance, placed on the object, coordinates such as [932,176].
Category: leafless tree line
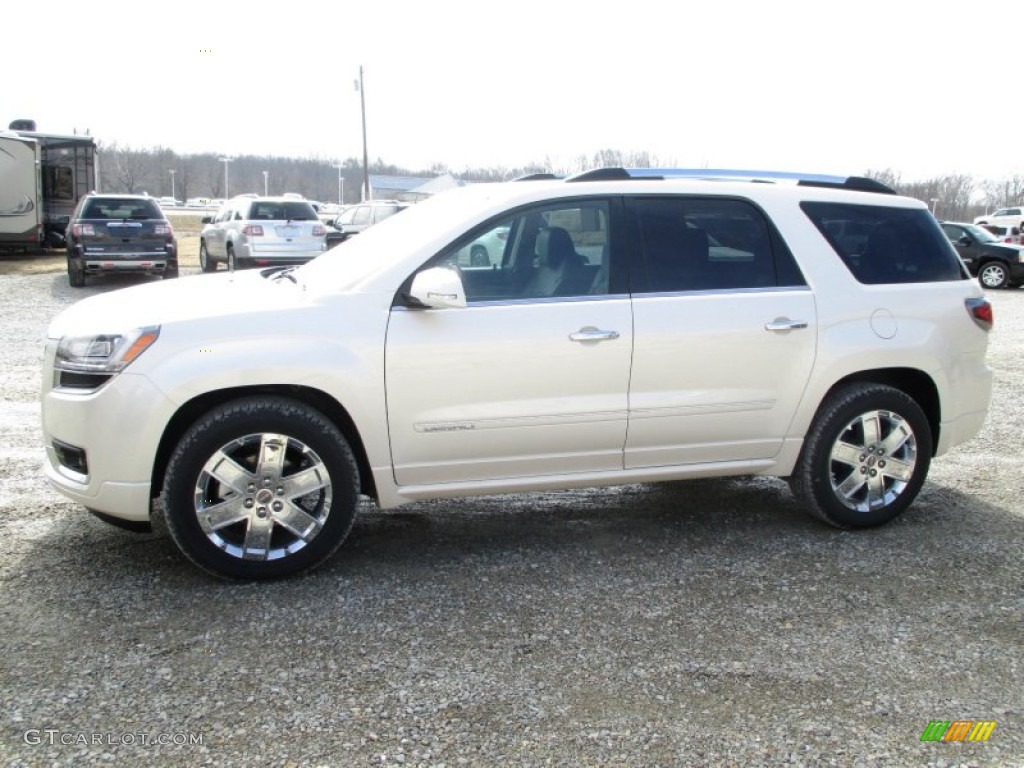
[954,197]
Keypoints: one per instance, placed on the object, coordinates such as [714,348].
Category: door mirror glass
[437,288]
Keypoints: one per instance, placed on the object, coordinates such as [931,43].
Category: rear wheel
[232,265]
[76,273]
[260,488]
[865,458]
[994,274]
[478,256]
[171,270]
[205,262]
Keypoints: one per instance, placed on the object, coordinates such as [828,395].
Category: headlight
[105,353]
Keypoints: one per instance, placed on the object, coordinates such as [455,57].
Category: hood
[167,301]
[1008,249]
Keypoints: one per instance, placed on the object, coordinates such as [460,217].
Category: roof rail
[537,177]
[859,183]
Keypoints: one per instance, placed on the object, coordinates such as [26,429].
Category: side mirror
[437,288]
[964,240]
[206,220]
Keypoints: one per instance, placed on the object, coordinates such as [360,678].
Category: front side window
[555,250]
[699,244]
[361,215]
[881,244]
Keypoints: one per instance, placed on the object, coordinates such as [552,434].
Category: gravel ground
[703,623]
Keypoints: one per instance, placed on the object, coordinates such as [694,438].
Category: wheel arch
[187,414]
[915,383]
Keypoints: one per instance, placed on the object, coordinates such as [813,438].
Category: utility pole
[171,171]
[226,160]
[366,156]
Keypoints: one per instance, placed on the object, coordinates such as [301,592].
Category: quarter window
[881,245]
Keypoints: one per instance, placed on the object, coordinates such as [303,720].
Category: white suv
[1004,218]
[638,326]
[261,231]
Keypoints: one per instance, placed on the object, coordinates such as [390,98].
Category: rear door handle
[590,333]
[784,324]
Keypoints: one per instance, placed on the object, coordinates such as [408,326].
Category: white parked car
[261,231]
[637,329]
[1003,218]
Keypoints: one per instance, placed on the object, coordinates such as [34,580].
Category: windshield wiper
[285,272]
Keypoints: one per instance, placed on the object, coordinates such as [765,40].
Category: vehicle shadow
[735,523]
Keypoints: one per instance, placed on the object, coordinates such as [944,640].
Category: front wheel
[865,458]
[260,488]
[994,274]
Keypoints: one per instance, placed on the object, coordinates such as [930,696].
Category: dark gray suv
[119,233]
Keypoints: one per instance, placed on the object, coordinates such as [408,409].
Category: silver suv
[633,327]
[261,231]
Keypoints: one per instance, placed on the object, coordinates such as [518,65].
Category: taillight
[163,229]
[981,312]
[83,230]
[318,231]
[253,230]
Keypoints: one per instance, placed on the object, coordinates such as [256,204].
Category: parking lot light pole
[171,171]
[265,175]
[341,185]
[226,160]
[934,202]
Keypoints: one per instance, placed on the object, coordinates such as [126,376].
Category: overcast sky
[924,88]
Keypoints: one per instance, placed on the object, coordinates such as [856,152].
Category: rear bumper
[146,265]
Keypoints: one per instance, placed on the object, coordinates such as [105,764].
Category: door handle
[590,333]
[784,324]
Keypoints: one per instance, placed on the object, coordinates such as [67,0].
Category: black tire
[232,264]
[205,262]
[76,273]
[478,256]
[224,465]
[839,451]
[993,274]
[171,270]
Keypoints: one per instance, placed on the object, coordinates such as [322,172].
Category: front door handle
[784,324]
[590,333]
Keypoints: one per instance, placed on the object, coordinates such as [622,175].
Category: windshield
[981,234]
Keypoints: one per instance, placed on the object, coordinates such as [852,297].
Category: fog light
[71,458]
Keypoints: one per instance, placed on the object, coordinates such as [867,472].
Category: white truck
[42,177]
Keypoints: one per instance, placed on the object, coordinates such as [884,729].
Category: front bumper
[117,428]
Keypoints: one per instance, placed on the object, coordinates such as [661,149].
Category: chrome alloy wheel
[993,275]
[263,496]
[872,460]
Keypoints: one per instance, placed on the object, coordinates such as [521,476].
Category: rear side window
[886,245]
[697,244]
[271,210]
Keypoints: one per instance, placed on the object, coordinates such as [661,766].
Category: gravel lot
[703,623]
